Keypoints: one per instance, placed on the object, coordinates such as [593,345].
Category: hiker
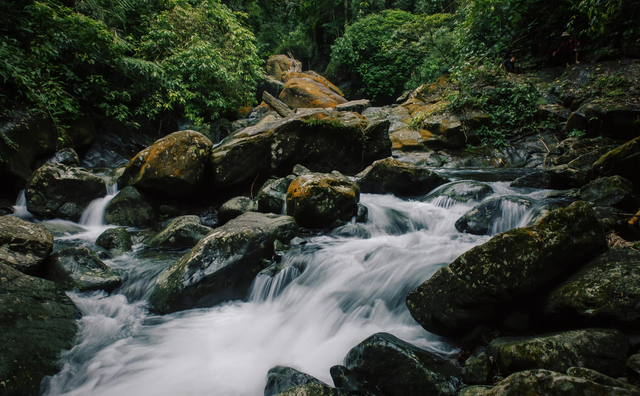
[568,48]
[509,65]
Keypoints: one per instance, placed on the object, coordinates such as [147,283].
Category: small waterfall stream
[20,208]
[93,216]
[333,291]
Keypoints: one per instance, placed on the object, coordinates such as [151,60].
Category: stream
[334,291]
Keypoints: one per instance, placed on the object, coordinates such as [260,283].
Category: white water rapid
[93,216]
[334,291]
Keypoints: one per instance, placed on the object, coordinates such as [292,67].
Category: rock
[533,180]
[271,85]
[549,383]
[278,65]
[459,192]
[222,265]
[280,379]
[79,268]
[62,227]
[476,390]
[23,246]
[38,321]
[592,375]
[616,220]
[234,208]
[611,191]
[392,176]
[487,281]
[57,190]
[633,365]
[446,134]
[316,200]
[272,196]
[66,156]
[347,383]
[305,91]
[117,240]
[565,176]
[478,370]
[603,350]
[376,141]
[182,232]
[300,170]
[174,165]
[357,106]
[485,218]
[129,208]
[605,292]
[395,367]
[312,389]
[623,161]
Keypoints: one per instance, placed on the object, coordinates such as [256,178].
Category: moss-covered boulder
[489,280]
[79,268]
[611,191]
[485,218]
[130,208]
[24,246]
[395,367]
[57,190]
[234,208]
[311,389]
[605,292]
[221,266]
[280,379]
[597,377]
[273,195]
[603,350]
[390,176]
[117,240]
[475,390]
[181,232]
[317,200]
[174,165]
[633,365]
[622,161]
[37,321]
[478,369]
[459,192]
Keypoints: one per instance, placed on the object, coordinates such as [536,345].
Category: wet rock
[484,218]
[174,165]
[611,191]
[23,246]
[459,192]
[310,390]
[487,281]
[592,375]
[79,268]
[129,208]
[38,321]
[478,369]
[392,176]
[234,208]
[603,350]
[118,240]
[357,106]
[280,379]
[66,156]
[623,161]
[633,365]
[533,180]
[317,200]
[396,367]
[57,190]
[272,196]
[62,227]
[604,292]
[223,264]
[347,383]
[182,232]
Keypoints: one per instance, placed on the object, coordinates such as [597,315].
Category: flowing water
[334,291]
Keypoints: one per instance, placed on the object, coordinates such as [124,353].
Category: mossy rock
[78,268]
[390,176]
[478,369]
[24,246]
[622,161]
[117,240]
[611,191]
[281,379]
[312,389]
[182,232]
[633,365]
[601,379]
[234,208]
[130,208]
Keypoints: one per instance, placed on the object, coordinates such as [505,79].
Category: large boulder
[487,281]
[130,208]
[307,92]
[396,367]
[494,215]
[117,240]
[623,161]
[57,190]
[278,65]
[37,321]
[221,266]
[322,140]
[603,350]
[23,246]
[611,191]
[317,200]
[79,268]
[604,292]
[392,176]
[175,164]
[280,379]
[181,232]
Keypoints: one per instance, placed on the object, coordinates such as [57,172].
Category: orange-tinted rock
[304,91]
[407,140]
[315,77]
[278,65]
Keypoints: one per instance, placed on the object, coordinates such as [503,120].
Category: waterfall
[93,216]
[512,216]
[20,208]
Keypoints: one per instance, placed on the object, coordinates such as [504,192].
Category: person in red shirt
[568,48]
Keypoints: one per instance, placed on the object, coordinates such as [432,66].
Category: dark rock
[271,85]
[280,379]
[477,390]
[222,265]
[357,106]
[533,180]
[396,367]
[312,389]
[79,268]
[459,192]
[483,218]
[377,144]
[23,246]
[117,240]
[129,208]
[182,232]
[445,134]
[611,191]
[592,375]
[478,369]
[633,365]
[616,220]
[272,196]
[300,170]
[347,383]
[392,176]
[514,266]
[66,156]
[317,200]
[363,214]
[57,190]
[565,176]
[623,161]
[234,208]
[605,292]
[81,133]
[37,321]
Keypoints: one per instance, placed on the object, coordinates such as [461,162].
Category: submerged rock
[390,176]
[129,208]
[223,265]
[234,208]
[623,161]
[182,232]
[23,246]
[483,218]
[280,379]
[395,367]
[459,192]
[38,321]
[487,281]
[79,268]
[118,240]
